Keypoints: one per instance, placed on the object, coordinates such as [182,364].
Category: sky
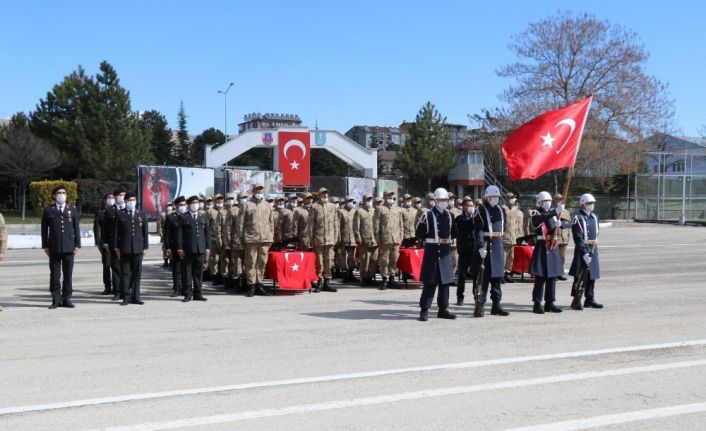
[336,64]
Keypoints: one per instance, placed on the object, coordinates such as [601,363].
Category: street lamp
[225,108]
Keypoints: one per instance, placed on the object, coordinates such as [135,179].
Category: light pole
[225,108]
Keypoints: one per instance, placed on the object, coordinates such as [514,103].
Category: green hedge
[40,193]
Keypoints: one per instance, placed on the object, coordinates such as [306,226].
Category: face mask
[230,202]
[120,200]
[408,204]
[293,204]
[442,205]
[590,207]
[280,207]
[110,202]
[194,207]
[470,210]
[208,207]
[390,201]
[219,205]
[349,205]
[200,206]
[369,204]
[130,205]
[418,206]
[170,210]
[324,200]
[493,201]
[546,205]
[182,209]
[259,196]
[243,200]
[60,199]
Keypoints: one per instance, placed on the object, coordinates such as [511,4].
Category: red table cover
[292,270]
[522,258]
[410,261]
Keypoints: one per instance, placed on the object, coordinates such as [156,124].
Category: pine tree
[183,150]
[155,127]
[210,136]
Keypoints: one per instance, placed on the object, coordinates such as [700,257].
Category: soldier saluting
[61,240]
[436,229]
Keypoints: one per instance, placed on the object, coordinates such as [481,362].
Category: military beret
[57,188]
[192,198]
[179,200]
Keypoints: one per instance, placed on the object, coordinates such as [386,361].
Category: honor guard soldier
[364,238]
[172,240]
[585,267]
[465,243]
[195,248]
[130,242]
[257,234]
[347,239]
[61,240]
[436,229]
[546,262]
[301,219]
[515,229]
[455,212]
[323,232]
[388,228]
[489,224]
[98,221]
[565,217]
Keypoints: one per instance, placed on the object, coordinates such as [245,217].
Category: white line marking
[393,398]
[10,262]
[652,245]
[619,418]
[348,376]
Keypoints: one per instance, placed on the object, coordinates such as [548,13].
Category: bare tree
[564,58]
[24,157]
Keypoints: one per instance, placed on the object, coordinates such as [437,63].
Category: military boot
[319,283]
[459,299]
[576,303]
[327,287]
[551,308]
[251,291]
[383,286]
[445,314]
[423,316]
[351,277]
[508,278]
[590,303]
[537,308]
[497,310]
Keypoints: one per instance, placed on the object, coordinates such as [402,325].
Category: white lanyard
[490,225]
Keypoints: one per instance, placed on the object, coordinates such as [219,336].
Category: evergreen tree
[183,150]
[155,127]
[210,136]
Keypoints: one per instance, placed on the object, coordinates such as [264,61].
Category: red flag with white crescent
[546,143]
[295,158]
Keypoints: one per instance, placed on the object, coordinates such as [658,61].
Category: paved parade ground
[358,359]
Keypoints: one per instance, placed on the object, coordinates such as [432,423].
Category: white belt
[440,241]
[540,237]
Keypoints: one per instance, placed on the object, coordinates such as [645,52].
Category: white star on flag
[548,140]
[295,267]
[294,165]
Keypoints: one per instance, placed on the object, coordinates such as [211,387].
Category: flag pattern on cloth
[410,261]
[546,143]
[293,270]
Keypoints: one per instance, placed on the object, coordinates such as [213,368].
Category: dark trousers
[464,265]
[117,274]
[544,287]
[588,287]
[496,293]
[107,269]
[177,264]
[192,274]
[427,298]
[61,289]
[131,268]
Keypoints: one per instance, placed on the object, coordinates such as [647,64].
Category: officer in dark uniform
[98,220]
[436,229]
[111,212]
[546,260]
[172,241]
[465,245]
[489,224]
[195,247]
[61,240]
[130,242]
[584,228]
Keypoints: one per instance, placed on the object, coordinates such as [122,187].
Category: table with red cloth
[410,261]
[292,270]
[522,259]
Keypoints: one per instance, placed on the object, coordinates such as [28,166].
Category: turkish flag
[295,158]
[546,143]
[410,261]
[294,270]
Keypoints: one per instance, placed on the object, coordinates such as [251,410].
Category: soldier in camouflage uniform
[323,233]
[388,228]
[347,240]
[515,228]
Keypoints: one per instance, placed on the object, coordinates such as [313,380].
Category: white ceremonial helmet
[587,198]
[491,191]
[441,193]
[544,196]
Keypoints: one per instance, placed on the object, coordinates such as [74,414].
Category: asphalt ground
[358,359]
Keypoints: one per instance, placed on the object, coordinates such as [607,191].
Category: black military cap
[118,190]
[108,194]
[192,198]
[57,188]
[129,195]
[179,200]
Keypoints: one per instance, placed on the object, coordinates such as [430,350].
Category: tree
[90,122]
[427,155]
[564,58]
[155,127]
[24,157]
[183,150]
[210,136]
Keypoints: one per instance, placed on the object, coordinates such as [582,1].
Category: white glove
[587,259]
[559,208]
[483,253]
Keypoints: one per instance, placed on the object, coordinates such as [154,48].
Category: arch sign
[295,158]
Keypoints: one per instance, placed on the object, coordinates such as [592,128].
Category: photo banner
[159,185]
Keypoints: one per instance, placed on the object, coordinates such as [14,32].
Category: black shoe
[116,297]
[125,302]
[319,283]
[551,308]
[137,302]
[459,300]
[445,314]
[53,306]
[590,303]
[200,298]
[508,278]
[352,277]
[497,310]
[260,290]
[328,288]
[251,291]
[186,299]
[383,286]
[537,308]
[166,264]
[67,304]
[423,316]
[174,294]
[561,278]
[107,291]
[576,303]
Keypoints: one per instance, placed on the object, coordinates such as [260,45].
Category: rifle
[580,284]
[478,309]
